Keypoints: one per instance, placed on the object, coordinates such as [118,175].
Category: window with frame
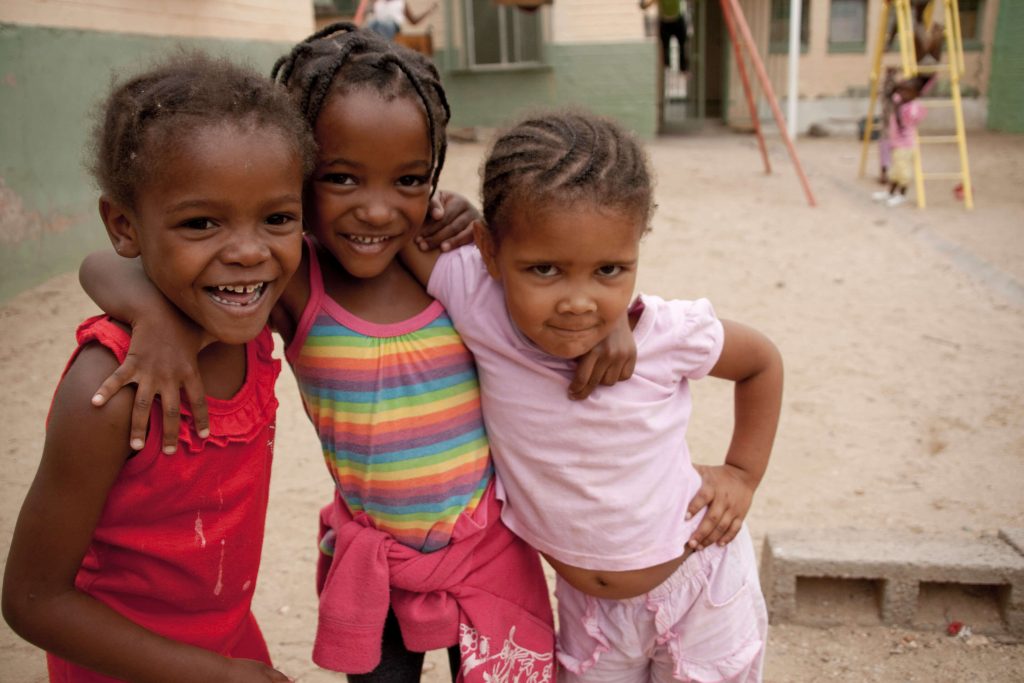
[847,26]
[501,37]
[778,29]
[971,18]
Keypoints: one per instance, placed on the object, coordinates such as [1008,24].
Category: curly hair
[561,157]
[147,115]
[341,57]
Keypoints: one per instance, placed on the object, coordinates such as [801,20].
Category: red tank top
[178,545]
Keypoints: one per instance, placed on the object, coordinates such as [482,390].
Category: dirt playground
[902,334]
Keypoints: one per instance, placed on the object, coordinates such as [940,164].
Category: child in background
[905,115]
[648,588]
[884,148]
[414,548]
[127,564]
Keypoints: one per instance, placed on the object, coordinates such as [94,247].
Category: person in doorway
[671,23]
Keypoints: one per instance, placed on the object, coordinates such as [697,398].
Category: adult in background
[671,23]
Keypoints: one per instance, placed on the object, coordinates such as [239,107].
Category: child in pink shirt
[656,572]
[905,114]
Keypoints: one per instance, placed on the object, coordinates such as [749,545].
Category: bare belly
[617,585]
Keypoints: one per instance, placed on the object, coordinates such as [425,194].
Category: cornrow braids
[342,57]
[144,118]
[563,157]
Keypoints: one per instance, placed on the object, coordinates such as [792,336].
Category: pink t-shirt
[602,483]
[910,115]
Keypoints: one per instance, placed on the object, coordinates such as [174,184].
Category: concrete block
[899,600]
[1015,537]
[1014,610]
[899,562]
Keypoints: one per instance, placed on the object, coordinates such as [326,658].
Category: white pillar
[795,7]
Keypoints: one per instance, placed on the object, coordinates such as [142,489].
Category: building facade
[497,61]
[56,59]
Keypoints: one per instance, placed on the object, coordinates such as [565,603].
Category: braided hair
[342,57]
[562,157]
[148,115]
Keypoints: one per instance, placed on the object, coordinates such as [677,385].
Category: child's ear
[120,225]
[485,243]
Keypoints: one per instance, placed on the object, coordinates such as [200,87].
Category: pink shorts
[706,622]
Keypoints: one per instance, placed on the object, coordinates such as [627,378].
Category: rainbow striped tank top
[397,409]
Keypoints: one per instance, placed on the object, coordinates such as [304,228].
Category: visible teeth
[240,289]
[366,239]
[255,293]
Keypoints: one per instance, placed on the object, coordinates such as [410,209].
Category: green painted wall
[50,83]
[615,79]
[52,79]
[1006,80]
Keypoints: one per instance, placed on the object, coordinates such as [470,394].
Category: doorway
[689,101]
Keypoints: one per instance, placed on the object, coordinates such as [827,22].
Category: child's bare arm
[752,361]
[165,344]
[449,223]
[84,452]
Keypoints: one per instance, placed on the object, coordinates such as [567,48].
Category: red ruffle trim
[243,417]
[239,419]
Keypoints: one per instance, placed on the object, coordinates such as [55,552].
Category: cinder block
[899,561]
[899,600]
[1015,537]
[1013,612]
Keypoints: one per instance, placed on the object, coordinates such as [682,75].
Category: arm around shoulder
[420,263]
[164,348]
[121,288]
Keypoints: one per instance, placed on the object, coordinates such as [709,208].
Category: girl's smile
[371,245]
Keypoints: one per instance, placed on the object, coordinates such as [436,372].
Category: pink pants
[707,622]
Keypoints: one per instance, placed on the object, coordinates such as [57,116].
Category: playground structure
[910,32]
[740,37]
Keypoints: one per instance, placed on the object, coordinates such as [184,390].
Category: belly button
[601,582]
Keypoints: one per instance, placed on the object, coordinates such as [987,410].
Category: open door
[691,98]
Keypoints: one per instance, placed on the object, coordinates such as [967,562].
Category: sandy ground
[904,410]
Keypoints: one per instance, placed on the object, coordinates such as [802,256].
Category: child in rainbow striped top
[415,555]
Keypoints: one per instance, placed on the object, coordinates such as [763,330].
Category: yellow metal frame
[908,61]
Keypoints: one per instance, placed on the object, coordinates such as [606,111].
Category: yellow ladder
[954,50]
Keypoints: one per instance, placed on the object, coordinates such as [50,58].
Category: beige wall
[284,20]
[823,74]
[567,21]
[596,21]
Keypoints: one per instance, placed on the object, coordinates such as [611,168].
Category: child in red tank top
[135,563]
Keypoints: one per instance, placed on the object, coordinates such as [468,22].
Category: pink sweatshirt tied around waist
[485,591]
